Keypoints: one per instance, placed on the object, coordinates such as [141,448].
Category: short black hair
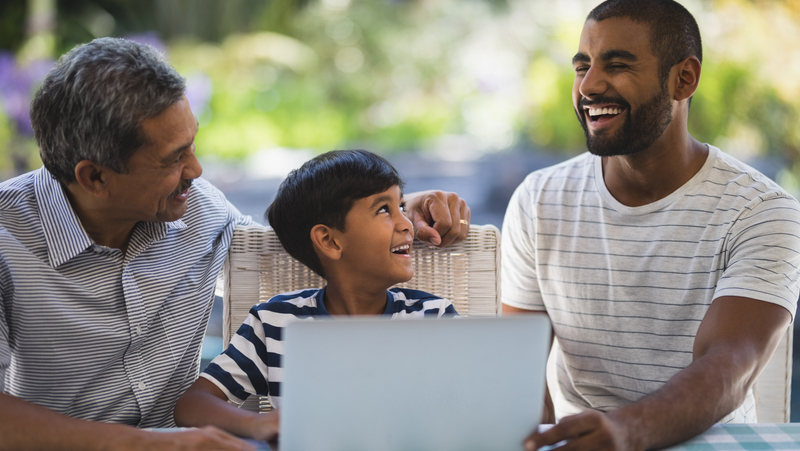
[322,191]
[674,32]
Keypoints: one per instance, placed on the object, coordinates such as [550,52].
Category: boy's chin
[405,279]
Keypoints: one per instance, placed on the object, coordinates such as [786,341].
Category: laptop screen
[417,384]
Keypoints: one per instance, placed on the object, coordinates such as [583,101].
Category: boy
[341,214]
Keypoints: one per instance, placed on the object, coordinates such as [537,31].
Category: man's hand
[589,430]
[206,438]
[440,218]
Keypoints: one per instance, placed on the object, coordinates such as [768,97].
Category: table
[721,437]
[746,437]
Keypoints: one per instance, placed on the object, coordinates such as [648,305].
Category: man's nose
[193,169]
[593,83]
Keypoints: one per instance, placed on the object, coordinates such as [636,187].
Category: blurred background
[461,95]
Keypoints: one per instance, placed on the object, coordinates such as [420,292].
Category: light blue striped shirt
[91,332]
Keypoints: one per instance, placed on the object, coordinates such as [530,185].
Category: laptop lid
[418,384]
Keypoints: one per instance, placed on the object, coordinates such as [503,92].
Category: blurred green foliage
[396,75]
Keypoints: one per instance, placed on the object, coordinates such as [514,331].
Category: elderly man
[109,255]
[668,268]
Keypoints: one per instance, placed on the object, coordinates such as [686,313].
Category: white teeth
[600,111]
[400,248]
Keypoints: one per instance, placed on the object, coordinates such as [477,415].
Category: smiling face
[156,186]
[619,97]
[377,241]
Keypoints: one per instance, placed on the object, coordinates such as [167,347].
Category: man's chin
[172,214]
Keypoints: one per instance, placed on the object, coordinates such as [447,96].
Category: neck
[97,222]
[656,172]
[351,300]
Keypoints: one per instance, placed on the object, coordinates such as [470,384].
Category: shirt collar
[63,232]
[389,310]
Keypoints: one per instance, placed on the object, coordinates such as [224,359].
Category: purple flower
[17,86]
[150,38]
[199,88]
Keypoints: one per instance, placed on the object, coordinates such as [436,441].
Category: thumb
[426,233]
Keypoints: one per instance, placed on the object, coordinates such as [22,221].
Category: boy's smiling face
[377,240]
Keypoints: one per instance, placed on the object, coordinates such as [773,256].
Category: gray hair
[93,101]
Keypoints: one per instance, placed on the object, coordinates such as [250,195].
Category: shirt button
[142,386]
[138,330]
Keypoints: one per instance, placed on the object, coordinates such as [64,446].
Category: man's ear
[92,177]
[324,240]
[688,72]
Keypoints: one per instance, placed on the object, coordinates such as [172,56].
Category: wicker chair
[773,389]
[258,268]
[467,273]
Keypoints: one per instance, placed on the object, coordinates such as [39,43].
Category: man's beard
[639,131]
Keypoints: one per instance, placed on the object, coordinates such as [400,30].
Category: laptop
[419,384]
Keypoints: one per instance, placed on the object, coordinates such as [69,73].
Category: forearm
[198,407]
[688,404]
[27,426]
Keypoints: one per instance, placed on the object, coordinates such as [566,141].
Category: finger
[465,214]
[588,442]
[450,230]
[460,220]
[575,432]
[432,211]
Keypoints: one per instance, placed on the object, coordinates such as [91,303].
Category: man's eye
[581,69]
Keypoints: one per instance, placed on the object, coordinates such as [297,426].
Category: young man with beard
[668,268]
[109,256]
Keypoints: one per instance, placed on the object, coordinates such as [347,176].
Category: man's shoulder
[737,179]
[573,170]
[208,205]
[571,176]
[17,191]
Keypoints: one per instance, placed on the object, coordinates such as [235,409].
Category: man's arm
[437,217]
[27,426]
[204,404]
[734,342]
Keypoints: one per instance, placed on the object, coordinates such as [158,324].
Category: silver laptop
[423,384]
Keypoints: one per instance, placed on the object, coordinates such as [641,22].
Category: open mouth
[596,114]
[182,190]
[401,250]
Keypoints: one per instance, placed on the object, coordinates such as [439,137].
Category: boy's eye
[384,209]
[402,206]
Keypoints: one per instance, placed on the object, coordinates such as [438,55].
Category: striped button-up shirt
[91,332]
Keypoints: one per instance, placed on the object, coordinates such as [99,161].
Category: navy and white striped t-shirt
[252,362]
[91,332]
[627,287]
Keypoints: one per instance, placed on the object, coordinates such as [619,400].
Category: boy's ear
[92,178]
[324,240]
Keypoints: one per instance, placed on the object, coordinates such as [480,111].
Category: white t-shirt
[627,287]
